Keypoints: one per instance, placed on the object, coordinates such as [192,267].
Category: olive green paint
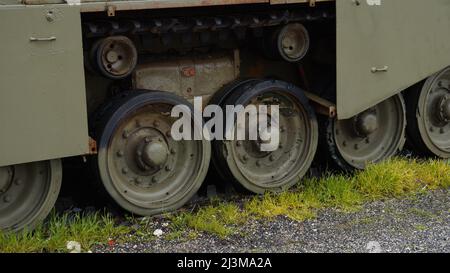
[409,37]
[42,91]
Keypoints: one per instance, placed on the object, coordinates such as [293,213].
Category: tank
[353,82]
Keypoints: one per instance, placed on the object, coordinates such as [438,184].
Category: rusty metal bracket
[111,10]
[92,146]
[322,106]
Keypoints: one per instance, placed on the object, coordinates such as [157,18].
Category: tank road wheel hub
[372,136]
[444,108]
[429,119]
[153,154]
[259,171]
[27,193]
[141,166]
[366,123]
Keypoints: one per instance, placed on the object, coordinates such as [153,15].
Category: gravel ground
[417,224]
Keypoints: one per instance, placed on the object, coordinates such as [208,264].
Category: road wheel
[428,107]
[260,171]
[140,164]
[28,192]
[375,135]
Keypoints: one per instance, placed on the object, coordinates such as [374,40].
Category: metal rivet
[18,182]
[156,123]
[139,180]
[272,158]
[168,169]
[356,146]
[238,143]
[258,163]
[172,151]
[120,153]
[125,134]
[154,179]
[125,170]
[344,144]
[147,140]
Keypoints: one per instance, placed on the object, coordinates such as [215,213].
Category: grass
[53,236]
[395,178]
[217,219]
[392,179]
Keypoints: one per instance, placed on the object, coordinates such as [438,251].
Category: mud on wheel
[28,192]
[141,166]
[257,171]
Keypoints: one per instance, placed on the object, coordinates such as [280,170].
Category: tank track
[236,22]
[329,154]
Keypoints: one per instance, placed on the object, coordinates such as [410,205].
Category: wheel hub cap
[154,154]
[366,124]
[112,56]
